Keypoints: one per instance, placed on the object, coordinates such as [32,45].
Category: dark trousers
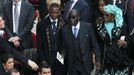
[76,72]
[58,69]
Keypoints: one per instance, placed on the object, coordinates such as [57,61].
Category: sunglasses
[73,17]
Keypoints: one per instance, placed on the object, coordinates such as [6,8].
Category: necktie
[16,17]
[75,32]
[53,26]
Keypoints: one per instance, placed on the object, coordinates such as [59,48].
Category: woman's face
[108,17]
[9,64]
[100,5]
[2,23]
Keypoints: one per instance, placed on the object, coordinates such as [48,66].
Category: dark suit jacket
[88,45]
[82,7]
[44,40]
[6,48]
[25,22]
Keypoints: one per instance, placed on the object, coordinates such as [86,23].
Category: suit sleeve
[7,48]
[95,45]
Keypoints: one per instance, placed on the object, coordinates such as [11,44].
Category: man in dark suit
[81,6]
[19,17]
[6,48]
[49,39]
[80,44]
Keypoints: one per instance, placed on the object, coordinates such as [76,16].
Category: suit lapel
[81,33]
[70,35]
[22,14]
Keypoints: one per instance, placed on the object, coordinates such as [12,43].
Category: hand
[14,39]
[121,43]
[33,65]
[98,66]
[16,43]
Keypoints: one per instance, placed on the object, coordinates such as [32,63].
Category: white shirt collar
[53,20]
[77,26]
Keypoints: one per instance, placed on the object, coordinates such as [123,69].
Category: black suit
[82,7]
[87,45]
[49,44]
[25,22]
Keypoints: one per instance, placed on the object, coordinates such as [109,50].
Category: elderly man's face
[74,17]
[2,23]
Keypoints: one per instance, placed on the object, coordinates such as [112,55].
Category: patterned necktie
[16,18]
[75,32]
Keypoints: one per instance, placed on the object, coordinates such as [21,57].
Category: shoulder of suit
[27,3]
[86,23]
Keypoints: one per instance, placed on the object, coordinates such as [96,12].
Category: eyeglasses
[106,15]
[73,17]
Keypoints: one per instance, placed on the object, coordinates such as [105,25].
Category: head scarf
[117,12]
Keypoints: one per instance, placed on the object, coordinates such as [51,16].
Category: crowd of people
[73,37]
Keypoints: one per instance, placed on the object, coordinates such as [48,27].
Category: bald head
[74,12]
[74,16]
